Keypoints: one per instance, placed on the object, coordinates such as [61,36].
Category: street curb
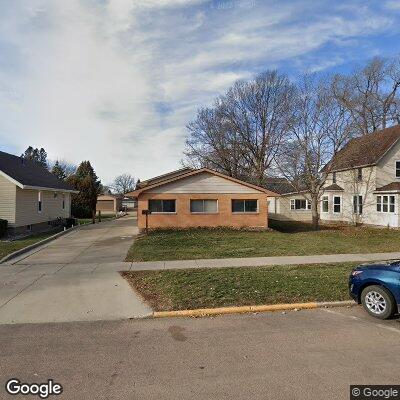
[37,244]
[201,312]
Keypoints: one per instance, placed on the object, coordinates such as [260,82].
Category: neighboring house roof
[109,197]
[164,177]
[364,151]
[333,188]
[279,185]
[390,187]
[28,174]
[192,172]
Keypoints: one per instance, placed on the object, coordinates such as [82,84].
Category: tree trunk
[93,216]
[314,212]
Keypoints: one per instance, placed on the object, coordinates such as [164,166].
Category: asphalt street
[313,354]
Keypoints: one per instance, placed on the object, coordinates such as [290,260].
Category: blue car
[377,288]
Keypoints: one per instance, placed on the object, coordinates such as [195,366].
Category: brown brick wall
[184,219]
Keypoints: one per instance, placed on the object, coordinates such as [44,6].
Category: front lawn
[294,239]
[7,248]
[209,287]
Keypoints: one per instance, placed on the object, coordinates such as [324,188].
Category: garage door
[105,205]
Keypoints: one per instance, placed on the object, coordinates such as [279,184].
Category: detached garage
[109,204]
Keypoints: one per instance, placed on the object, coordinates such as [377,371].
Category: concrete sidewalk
[74,278]
[261,261]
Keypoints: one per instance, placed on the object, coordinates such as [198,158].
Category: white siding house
[31,198]
[362,185]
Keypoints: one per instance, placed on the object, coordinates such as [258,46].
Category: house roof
[390,187]
[28,174]
[109,196]
[192,172]
[364,151]
[279,185]
[333,188]
[164,177]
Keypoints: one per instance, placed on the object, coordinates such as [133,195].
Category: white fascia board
[49,189]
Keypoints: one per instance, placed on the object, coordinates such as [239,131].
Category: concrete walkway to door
[74,278]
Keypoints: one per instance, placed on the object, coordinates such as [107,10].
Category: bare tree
[321,126]
[123,183]
[370,94]
[244,130]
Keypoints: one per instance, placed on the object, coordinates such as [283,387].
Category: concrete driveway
[74,278]
[310,355]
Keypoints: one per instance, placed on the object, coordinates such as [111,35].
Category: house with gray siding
[31,197]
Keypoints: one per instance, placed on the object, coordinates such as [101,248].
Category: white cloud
[117,81]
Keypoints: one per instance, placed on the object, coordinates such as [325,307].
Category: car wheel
[378,302]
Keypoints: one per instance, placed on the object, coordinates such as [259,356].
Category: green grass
[203,288]
[9,247]
[295,239]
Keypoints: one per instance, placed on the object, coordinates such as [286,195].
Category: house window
[385,204]
[63,201]
[325,204]
[357,204]
[359,174]
[244,206]
[55,195]
[333,177]
[39,201]
[300,204]
[162,206]
[397,169]
[29,228]
[337,204]
[204,206]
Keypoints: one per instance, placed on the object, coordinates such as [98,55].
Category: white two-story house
[362,185]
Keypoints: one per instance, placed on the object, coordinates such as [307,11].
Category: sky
[116,81]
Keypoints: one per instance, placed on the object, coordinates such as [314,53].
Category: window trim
[244,207]
[162,212]
[293,202]
[340,204]
[358,204]
[395,169]
[40,202]
[388,204]
[324,199]
[203,212]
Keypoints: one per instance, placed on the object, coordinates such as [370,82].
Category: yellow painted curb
[234,310]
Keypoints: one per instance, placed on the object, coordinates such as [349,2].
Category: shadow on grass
[297,226]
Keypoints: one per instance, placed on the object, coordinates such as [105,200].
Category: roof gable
[202,171]
[365,151]
[29,174]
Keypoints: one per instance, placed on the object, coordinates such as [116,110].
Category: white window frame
[293,204]
[340,204]
[40,202]
[358,204]
[204,212]
[324,199]
[162,212]
[395,169]
[244,207]
[380,203]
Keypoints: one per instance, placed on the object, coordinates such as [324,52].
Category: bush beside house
[3,227]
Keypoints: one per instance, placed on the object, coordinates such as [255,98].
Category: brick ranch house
[201,198]
[31,198]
